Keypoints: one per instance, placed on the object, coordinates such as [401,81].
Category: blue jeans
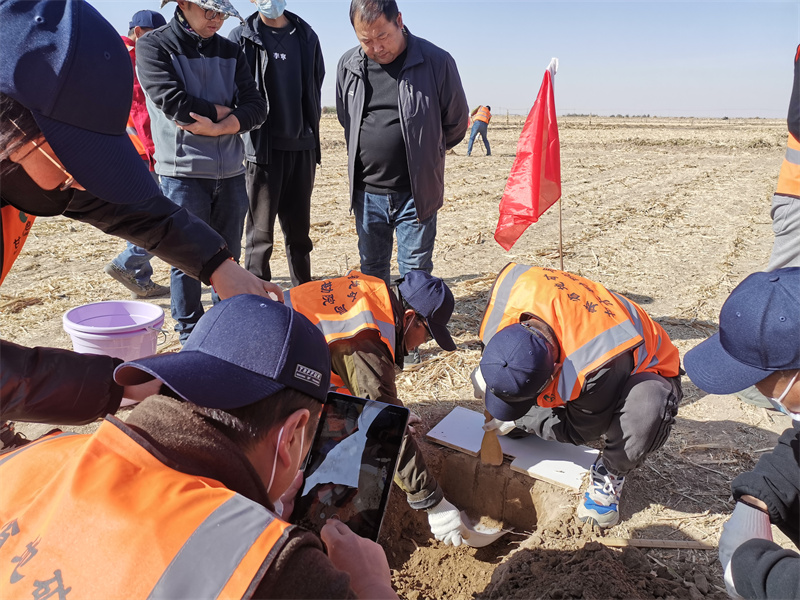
[222,203]
[378,216]
[136,259]
[479,127]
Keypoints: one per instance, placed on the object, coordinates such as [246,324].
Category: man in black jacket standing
[282,155]
[758,343]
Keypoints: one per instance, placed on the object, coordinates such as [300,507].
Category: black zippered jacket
[257,142]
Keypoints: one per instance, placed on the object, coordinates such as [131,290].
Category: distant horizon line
[331,111]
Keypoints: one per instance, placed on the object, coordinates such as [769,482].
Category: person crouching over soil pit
[568,360]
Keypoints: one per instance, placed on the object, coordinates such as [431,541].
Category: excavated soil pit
[496,495]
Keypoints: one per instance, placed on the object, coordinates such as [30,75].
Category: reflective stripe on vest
[16,226]
[789,177]
[483,114]
[338,386]
[133,134]
[102,517]
[342,307]
[609,325]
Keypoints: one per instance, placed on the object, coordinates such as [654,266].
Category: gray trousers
[786,225]
[635,423]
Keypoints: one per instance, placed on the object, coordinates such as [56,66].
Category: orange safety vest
[98,516]
[130,128]
[343,307]
[593,325]
[15,225]
[789,177]
[483,114]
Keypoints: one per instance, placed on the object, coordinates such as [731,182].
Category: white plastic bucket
[124,329]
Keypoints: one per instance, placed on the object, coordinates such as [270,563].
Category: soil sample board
[560,464]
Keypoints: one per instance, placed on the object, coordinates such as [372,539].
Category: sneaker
[138,290]
[601,501]
[10,439]
[412,358]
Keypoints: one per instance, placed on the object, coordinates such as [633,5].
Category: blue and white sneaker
[600,504]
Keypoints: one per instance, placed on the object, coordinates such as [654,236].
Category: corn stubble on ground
[672,213]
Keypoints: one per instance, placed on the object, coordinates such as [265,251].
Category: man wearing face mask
[200,97]
[759,344]
[65,96]
[282,155]
[369,328]
[181,498]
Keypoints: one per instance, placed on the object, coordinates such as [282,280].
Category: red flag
[535,181]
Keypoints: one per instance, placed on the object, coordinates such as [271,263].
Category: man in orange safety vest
[568,360]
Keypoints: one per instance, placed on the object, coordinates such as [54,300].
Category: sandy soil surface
[672,213]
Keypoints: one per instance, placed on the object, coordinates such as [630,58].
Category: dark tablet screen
[349,471]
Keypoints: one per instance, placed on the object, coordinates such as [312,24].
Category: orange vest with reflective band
[593,326]
[344,306]
[789,177]
[483,114]
[16,226]
[98,516]
[137,143]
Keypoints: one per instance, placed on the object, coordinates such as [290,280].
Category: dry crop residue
[671,212]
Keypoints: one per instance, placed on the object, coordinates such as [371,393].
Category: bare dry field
[673,213]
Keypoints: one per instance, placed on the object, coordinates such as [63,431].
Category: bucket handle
[161,331]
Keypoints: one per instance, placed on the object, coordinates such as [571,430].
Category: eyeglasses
[424,322]
[214,14]
[70,179]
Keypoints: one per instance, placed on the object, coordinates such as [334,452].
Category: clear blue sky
[703,59]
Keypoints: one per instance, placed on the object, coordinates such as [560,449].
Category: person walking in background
[201,96]
[132,266]
[480,122]
[402,106]
[285,59]
[758,343]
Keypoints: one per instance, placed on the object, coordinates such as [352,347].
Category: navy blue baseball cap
[432,299]
[516,365]
[759,333]
[241,351]
[65,63]
[147,18]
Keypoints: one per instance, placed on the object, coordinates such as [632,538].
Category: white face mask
[277,447]
[777,403]
[271,9]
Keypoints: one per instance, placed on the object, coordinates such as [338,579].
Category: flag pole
[560,238]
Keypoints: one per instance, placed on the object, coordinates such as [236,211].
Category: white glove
[446,524]
[729,583]
[746,523]
[502,427]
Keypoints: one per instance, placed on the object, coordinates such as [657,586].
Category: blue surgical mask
[271,9]
[777,403]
